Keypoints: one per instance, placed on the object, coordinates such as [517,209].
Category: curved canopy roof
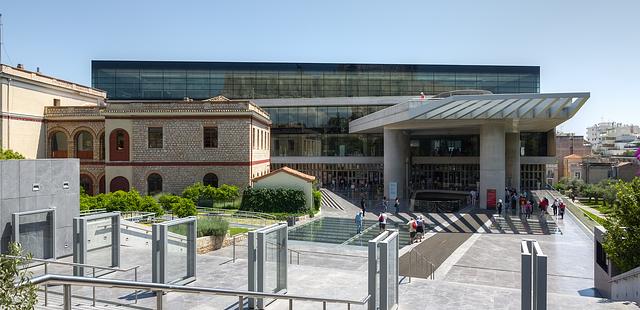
[524,112]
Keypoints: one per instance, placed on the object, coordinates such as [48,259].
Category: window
[154,184]
[120,141]
[56,102]
[210,179]
[119,145]
[84,145]
[210,137]
[102,146]
[155,137]
[58,144]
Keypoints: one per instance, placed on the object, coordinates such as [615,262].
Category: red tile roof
[293,172]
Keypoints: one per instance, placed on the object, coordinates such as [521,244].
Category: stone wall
[176,178]
[183,140]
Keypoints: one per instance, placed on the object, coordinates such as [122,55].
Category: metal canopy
[530,111]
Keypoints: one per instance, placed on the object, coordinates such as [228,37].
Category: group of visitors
[416,229]
[558,207]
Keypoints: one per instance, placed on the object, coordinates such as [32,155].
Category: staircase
[329,200]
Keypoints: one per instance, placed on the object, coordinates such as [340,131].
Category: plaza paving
[476,270]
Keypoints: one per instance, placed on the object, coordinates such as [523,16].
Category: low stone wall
[211,243]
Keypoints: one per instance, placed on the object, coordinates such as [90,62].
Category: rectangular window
[210,137]
[155,137]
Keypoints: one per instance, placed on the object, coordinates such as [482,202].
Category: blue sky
[580,45]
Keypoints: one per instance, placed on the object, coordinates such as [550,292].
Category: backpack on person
[381,218]
[414,224]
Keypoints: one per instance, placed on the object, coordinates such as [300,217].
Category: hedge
[274,200]
[206,195]
[121,201]
[9,154]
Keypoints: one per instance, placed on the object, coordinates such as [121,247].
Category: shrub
[12,296]
[121,201]
[274,200]
[9,154]
[183,207]
[166,200]
[205,195]
[212,226]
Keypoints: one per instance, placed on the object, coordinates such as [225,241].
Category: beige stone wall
[22,105]
[183,140]
[176,178]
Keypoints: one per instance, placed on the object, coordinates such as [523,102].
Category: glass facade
[137,80]
[455,177]
[445,145]
[321,131]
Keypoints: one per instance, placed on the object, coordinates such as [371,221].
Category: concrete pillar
[396,159]
[512,145]
[492,161]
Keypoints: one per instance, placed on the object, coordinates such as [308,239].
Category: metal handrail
[51,261]
[160,289]
[429,273]
[46,263]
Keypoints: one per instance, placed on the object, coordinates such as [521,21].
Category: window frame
[215,139]
[161,140]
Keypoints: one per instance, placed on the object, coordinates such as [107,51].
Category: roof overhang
[519,112]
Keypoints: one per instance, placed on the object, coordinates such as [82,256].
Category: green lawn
[598,206]
[593,217]
[237,230]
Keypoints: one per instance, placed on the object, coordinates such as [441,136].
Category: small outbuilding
[286,177]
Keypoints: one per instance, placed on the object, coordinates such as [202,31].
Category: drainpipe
[9,112]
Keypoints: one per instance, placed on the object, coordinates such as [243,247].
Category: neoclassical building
[161,146]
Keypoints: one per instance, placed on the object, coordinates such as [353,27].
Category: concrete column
[492,161]
[513,159]
[396,158]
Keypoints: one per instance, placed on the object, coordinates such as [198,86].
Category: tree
[14,297]
[9,154]
[622,240]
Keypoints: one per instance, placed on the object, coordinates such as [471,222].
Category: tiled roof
[293,172]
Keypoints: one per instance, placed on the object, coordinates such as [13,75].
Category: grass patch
[593,217]
[237,230]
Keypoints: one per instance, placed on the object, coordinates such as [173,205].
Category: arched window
[210,179]
[119,145]
[154,184]
[102,185]
[102,146]
[86,182]
[58,142]
[119,184]
[84,145]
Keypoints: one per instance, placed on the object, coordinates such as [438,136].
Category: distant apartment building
[613,139]
[23,97]
[569,144]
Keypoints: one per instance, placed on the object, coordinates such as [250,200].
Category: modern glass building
[138,80]
[311,105]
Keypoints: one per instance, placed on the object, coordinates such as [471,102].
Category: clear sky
[580,45]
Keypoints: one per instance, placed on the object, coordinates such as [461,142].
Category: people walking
[412,230]
[397,205]
[382,220]
[562,207]
[499,207]
[358,222]
[385,204]
[472,193]
[528,208]
[419,228]
[554,206]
